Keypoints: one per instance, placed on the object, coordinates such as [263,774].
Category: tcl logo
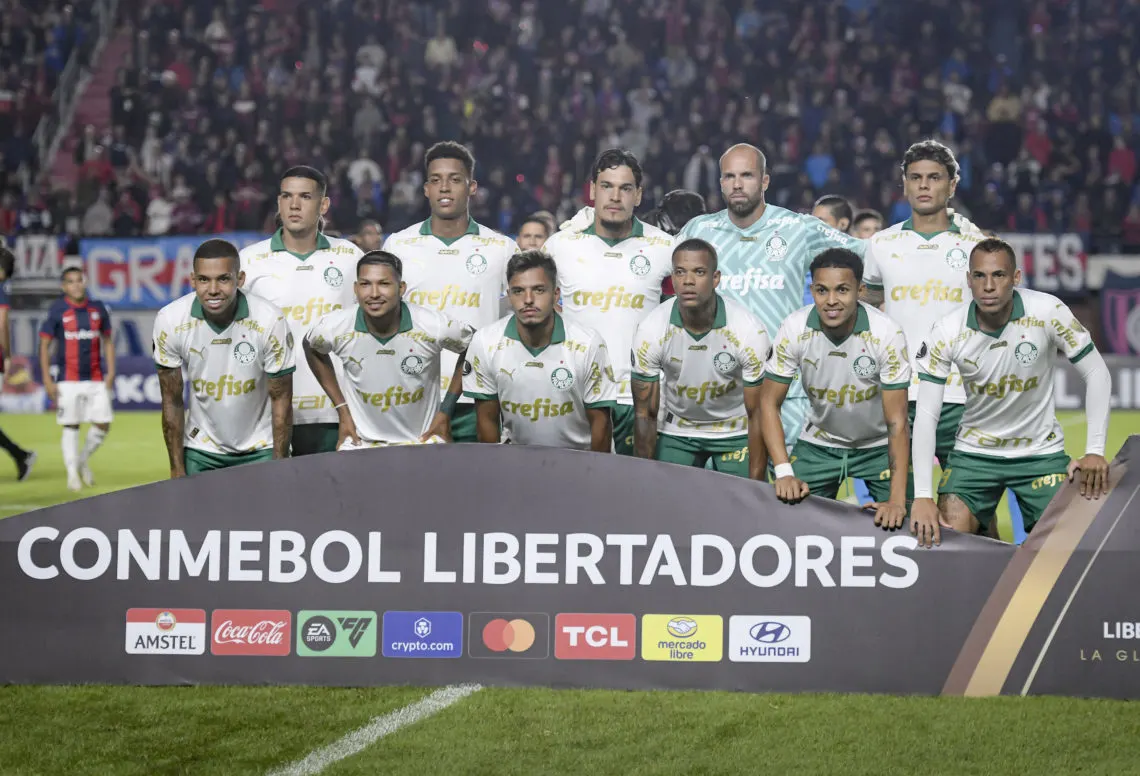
[595,636]
[251,632]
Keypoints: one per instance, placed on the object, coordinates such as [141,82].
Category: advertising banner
[507,565]
[1120,313]
[1053,263]
[1069,386]
[39,257]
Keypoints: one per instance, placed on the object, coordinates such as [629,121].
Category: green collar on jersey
[277,243]
[720,320]
[908,225]
[472,228]
[405,323]
[638,231]
[862,323]
[972,316]
[242,311]
[558,336]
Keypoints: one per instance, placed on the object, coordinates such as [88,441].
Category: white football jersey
[923,278]
[611,286]
[543,396]
[464,278]
[843,380]
[305,288]
[228,370]
[389,384]
[702,377]
[1008,375]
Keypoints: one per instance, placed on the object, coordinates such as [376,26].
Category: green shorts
[729,456]
[198,461]
[948,423]
[980,481]
[313,438]
[825,469]
[623,429]
[463,424]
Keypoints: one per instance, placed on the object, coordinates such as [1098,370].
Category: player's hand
[926,522]
[440,427]
[346,430]
[1094,475]
[888,516]
[791,490]
[109,381]
[52,389]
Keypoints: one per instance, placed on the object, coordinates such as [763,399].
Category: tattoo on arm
[646,401]
[874,296]
[281,398]
[173,415]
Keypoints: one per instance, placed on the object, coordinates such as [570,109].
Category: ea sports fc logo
[639,265]
[412,365]
[1025,353]
[334,277]
[245,353]
[864,366]
[476,264]
[562,378]
[776,248]
[724,362]
[956,258]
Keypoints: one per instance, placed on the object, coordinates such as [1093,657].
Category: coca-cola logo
[251,632]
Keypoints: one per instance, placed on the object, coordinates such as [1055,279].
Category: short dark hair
[677,208]
[449,149]
[381,259]
[616,157]
[63,273]
[697,245]
[311,173]
[7,261]
[996,245]
[931,151]
[218,249]
[532,259]
[839,206]
[537,219]
[838,258]
[866,215]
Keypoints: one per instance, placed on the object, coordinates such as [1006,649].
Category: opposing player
[546,379]
[308,275]
[764,253]
[451,263]
[611,272]
[835,211]
[533,233]
[24,459]
[370,236]
[867,222]
[1005,344]
[390,351]
[701,357]
[852,360]
[237,351]
[79,329]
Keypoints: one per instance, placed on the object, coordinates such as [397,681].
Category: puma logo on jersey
[196,352]
[394,396]
[313,309]
[614,297]
[357,362]
[752,280]
[450,296]
[226,385]
[508,372]
[1006,385]
[848,394]
[971,362]
[933,291]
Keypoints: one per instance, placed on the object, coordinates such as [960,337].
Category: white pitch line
[385,725]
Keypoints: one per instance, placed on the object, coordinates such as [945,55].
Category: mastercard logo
[501,635]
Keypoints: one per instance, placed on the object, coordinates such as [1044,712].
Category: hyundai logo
[770,632]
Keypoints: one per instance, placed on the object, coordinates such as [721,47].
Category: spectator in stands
[99,218]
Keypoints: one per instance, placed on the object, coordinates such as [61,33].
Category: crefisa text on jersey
[492,558]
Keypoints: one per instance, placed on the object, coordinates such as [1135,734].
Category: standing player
[835,211]
[867,222]
[306,274]
[853,362]
[390,352]
[452,264]
[703,358]
[764,252]
[22,458]
[1005,345]
[85,372]
[611,272]
[237,350]
[547,380]
[533,233]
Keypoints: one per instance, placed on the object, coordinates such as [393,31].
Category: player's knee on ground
[957,514]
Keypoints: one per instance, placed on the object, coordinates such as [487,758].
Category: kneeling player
[548,379]
[238,353]
[703,357]
[390,351]
[852,360]
[1004,344]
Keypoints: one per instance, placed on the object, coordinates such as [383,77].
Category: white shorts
[83,402]
[349,445]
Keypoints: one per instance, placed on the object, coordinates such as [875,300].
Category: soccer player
[451,263]
[703,358]
[24,459]
[80,330]
[867,222]
[852,360]
[237,350]
[611,272]
[835,211]
[533,233]
[547,379]
[307,275]
[764,252]
[1005,345]
[390,352]
[369,237]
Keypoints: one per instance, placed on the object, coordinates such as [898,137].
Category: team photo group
[798,349]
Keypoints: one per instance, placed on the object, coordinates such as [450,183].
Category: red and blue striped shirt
[79,328]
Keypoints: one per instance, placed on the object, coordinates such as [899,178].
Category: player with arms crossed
[22,458]
[548,379]
[237,350]
[611,272]
[764,253]
[307,275]
[451,263]
[1004,344]
[390,351]
[80,330]
[703,358]
[853,363]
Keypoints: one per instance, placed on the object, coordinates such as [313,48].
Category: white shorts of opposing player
[86,401]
